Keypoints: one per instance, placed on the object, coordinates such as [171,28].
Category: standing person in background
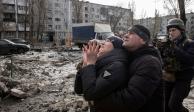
[143,92]
[104,71]
[178,62]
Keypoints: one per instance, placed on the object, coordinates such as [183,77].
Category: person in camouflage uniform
[178,58]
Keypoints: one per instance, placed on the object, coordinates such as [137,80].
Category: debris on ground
[43,82]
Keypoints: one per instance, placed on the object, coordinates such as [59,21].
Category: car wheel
[13,51]
[20,50]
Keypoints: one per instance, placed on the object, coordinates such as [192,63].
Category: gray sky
[147,6]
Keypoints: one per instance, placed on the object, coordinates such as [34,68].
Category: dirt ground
[47,80]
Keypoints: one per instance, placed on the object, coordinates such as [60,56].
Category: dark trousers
[175,93]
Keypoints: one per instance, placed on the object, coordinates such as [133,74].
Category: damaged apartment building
[12,18]
[47,19]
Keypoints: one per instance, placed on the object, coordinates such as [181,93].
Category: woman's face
[174,33]
[105,47]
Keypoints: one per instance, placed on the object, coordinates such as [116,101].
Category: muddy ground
[47,80]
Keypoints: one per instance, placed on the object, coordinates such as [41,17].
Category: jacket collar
[146,50]
[114,55]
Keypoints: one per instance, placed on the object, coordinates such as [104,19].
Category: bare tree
[157,23]
[182,10]
[1,17]
[3,25]
[77,11]
[142,16]
[31,18]
[177,7]
[1,10]
[115,15]
[26,20]
[104,13]
[37,16]
[171,6]
[41,7]
[132,7]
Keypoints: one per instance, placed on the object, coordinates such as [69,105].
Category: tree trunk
[31,20]
[25,19]
[132,19]
[182,10]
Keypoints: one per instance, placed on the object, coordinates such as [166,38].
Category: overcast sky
[147,6]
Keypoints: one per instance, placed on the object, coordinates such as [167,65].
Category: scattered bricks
[3,87]
[79,104]
[9,82]
[18,93]
[45,73]
[70,76]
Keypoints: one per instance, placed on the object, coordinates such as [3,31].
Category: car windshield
[17,40]
[9,41]
[162,38]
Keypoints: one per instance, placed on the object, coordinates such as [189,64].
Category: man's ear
[142,41]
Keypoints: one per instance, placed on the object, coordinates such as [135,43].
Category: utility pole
[16,17]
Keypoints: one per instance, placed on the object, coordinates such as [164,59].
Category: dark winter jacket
[107,75]
[144,90]
[184,54]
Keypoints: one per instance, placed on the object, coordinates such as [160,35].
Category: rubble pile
[40,82]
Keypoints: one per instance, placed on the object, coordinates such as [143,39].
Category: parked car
[19,40]
[162,37]
[8,47]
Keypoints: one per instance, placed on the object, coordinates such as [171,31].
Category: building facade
[190,25]
[58,19]
[9,25]
[158,26]
[61,14]
[119,18]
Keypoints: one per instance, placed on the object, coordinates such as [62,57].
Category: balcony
[22,28]
[9,26]
[8,10]
[49,22]
[9,19]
